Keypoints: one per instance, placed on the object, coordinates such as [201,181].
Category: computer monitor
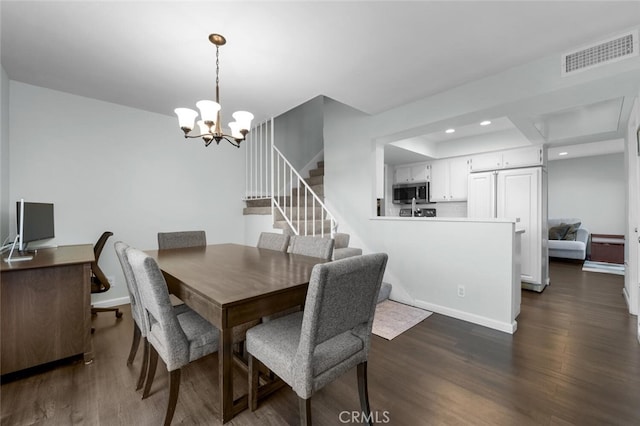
[34,222]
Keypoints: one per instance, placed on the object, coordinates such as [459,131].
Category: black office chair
[99,281]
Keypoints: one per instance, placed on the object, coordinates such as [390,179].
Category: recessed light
[563,153]
[450,130]
[485,123]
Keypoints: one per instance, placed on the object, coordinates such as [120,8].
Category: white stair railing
[270,175]
[258,162]
[297,202]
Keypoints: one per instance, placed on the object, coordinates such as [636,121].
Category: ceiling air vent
[606,52]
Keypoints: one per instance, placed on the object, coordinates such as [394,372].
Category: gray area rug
[393,318]
[603,267]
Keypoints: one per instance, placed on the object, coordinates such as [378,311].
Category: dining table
[231,285]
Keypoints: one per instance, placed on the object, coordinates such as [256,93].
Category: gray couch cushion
[573,244]
[572,232]
[558,232]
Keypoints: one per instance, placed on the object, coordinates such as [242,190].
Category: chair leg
[254,368]
[145,363]
[174,388]
[153,362]
[364,391]
[94,311]
[134,344]
[305,411]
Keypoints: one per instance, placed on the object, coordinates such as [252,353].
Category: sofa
[567,238]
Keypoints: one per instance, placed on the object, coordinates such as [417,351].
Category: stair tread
[315,180]
[256,210]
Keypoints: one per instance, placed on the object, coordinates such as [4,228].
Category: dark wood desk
[45,307]
[231,284]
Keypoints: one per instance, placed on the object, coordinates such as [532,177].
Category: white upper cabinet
[525,157]
[509,159]
[413,173]
[420,172]
[449,180]
[486,161]
[402,175]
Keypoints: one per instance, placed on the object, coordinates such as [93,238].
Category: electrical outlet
[112,280]
[461,291]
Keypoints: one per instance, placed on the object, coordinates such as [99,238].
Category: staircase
[273,186]
[297,207]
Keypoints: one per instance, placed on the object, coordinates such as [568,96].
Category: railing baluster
[269,174]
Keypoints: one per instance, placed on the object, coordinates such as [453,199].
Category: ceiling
[371,55]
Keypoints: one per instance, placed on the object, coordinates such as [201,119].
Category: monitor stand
[20,258]
[17,258]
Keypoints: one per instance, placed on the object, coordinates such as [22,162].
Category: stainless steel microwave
[404,193]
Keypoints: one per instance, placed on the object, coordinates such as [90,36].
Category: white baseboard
[466,316]
[112,302]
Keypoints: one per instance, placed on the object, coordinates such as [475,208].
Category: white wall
[592,189]
[109,167]
[4,154]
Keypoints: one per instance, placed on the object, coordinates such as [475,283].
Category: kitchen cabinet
[412,173]
[449,179]
[508,159]
[518,194]
[481,199]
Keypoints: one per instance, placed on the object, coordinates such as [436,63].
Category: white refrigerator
[518,194]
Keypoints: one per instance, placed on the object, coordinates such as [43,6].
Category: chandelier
[209,123]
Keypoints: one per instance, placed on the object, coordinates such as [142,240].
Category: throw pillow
[572,232]
[558,232]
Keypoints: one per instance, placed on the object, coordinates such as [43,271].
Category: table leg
[225,374]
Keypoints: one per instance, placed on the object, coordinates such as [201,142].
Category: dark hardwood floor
[575,360]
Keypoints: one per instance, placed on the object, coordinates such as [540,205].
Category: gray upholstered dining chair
[177,339]
[139,331]
[309,349]
[182,239]
[311,246]
[306,245]
[273,241]
[136,312]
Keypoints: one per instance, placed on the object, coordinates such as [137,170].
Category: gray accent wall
[592,189]
[299,132]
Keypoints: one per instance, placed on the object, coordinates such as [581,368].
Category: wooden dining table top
[229,274]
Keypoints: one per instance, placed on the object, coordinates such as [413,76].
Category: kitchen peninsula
[460,267]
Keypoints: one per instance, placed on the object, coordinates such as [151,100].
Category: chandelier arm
[218,137]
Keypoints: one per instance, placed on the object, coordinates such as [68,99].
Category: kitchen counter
[444,219]
[465,268]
